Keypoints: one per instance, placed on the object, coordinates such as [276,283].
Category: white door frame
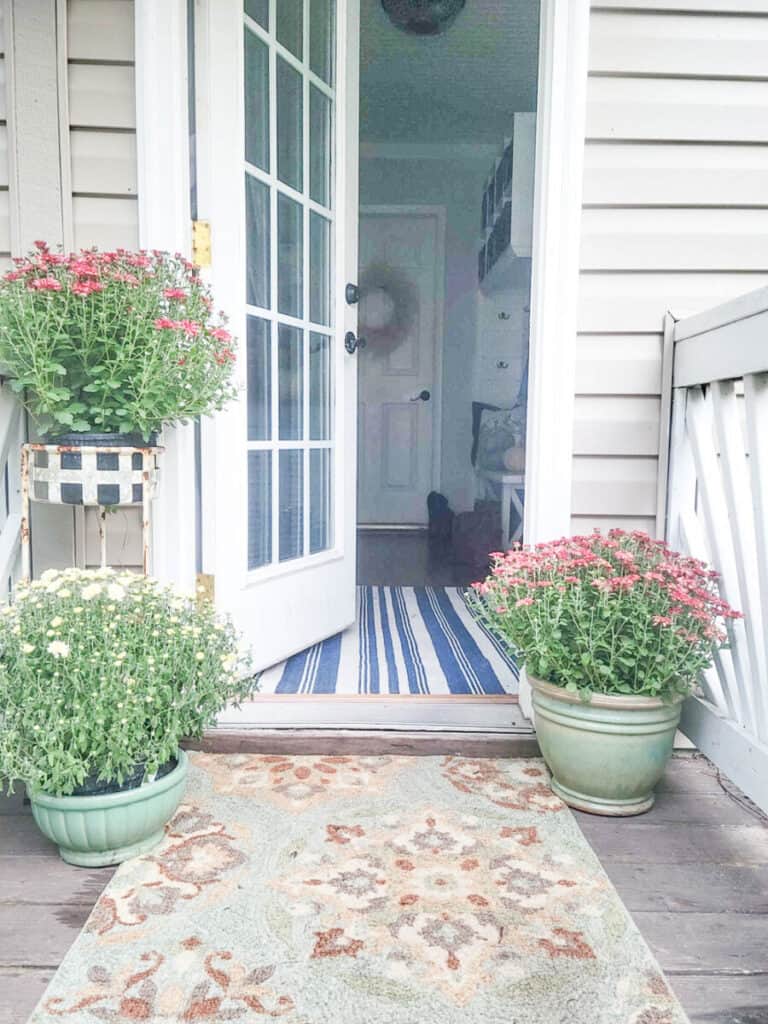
[560,133]
[561,116]
[439,213]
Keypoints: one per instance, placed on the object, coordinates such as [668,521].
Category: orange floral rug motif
[344,890]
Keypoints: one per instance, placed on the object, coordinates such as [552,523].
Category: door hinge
[206,586]
[201,243]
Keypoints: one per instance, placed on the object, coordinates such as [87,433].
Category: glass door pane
[289,113]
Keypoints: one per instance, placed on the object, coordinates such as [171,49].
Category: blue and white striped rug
[407,640]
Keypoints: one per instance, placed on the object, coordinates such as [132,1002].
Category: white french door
[277,159]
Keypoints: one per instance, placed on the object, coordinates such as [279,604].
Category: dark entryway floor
[693,873]
[407,558]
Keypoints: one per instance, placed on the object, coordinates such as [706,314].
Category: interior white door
[399,371]
[277,112]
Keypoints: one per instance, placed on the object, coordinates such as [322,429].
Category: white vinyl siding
[101,98]
[675,217]
[102,122]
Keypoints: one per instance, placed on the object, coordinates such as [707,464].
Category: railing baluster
[720,540]
[738,503]
[756,410]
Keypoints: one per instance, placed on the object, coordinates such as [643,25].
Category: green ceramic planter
[94,831]
[606,756]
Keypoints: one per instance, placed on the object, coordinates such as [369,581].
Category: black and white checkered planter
[92,476]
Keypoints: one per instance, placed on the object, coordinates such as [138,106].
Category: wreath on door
[389,305]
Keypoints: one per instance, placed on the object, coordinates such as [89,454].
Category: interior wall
[456,185]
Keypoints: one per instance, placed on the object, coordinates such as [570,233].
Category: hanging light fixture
[422,17]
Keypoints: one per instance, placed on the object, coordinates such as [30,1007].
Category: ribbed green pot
[605,756]
[94,831]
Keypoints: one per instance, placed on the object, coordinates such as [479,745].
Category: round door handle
[353,343]
[423,396]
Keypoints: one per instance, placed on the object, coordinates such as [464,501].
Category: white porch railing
[717,510]
[11,438]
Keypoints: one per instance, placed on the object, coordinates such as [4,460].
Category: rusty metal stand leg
[103,535]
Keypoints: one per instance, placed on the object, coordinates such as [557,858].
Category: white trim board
[735,752]
[164,223]
[502,715]
[560,132]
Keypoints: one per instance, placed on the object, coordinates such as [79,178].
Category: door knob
[352,343]
[423,396]
[352,294]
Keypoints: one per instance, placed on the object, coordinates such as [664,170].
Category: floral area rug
[363,890]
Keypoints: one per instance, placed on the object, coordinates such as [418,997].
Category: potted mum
[104,348]
[614,631]
[101,676]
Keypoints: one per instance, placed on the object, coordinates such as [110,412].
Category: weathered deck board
[693,872]
[20,991]
[668,887]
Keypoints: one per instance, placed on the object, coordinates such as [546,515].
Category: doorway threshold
[427,712]
[368,743]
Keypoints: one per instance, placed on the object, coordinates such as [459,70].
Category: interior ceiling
[458,87]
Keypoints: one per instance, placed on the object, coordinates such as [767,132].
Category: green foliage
[616,614]
[115,342]
[100,671]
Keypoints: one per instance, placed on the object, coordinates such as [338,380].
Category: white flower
[49,575]
[27,648]
[200,656]
[115,592]
[58,649]
[91,591]
[58,621]
[64,593]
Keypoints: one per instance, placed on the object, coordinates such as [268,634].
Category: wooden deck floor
[693,872]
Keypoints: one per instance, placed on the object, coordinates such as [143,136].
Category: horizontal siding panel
[587,524]
[100,30]
[106,223]
[675,175]
[674,239]
[637,302]
[685,44]
[103,162]
[614,486]
[101,96]
[697,6]
[618,364]
[677,109]
[616,425]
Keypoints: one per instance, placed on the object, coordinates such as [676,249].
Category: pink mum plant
[617,613]
[114,342]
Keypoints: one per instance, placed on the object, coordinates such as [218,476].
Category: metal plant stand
[96,477]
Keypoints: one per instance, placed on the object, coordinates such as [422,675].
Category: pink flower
[524,602]
[190,327]
[661,620]
[45,284]
[85,288]
[164,324]
[221,335]
[175,293]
